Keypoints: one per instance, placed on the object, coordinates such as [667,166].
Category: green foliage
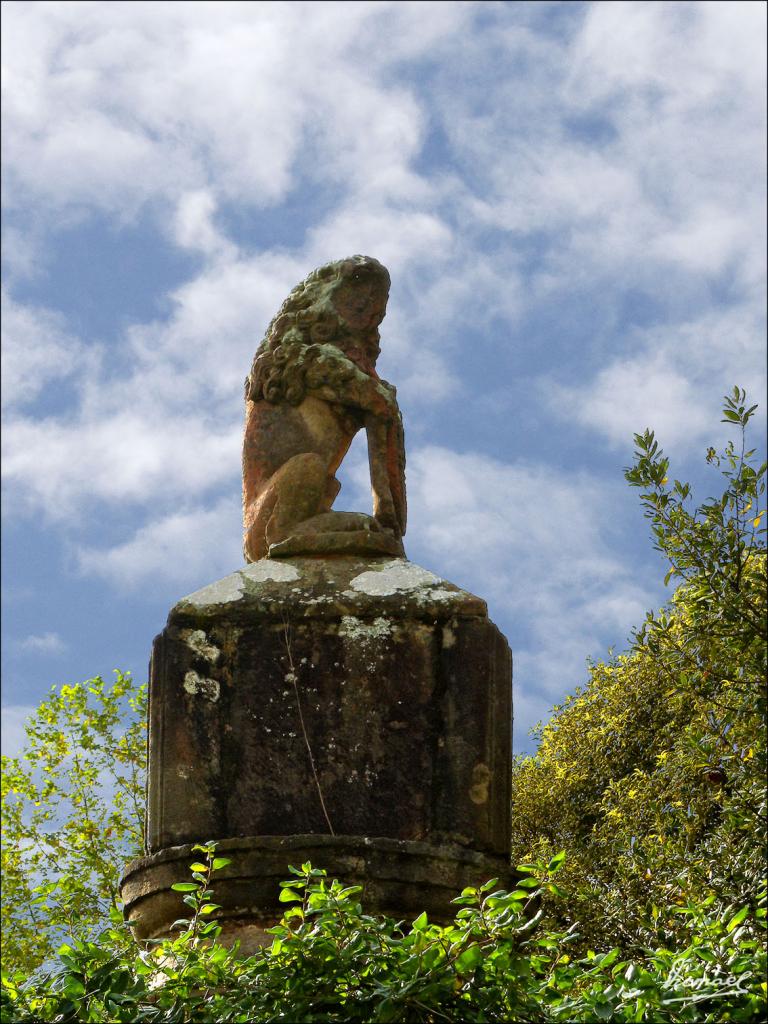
[73,808]
[329,961]
[653,776]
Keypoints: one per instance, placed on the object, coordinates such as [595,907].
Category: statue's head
[339,304]
[360,291]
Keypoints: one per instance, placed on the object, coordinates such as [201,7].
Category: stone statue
[330,702]
[313,385]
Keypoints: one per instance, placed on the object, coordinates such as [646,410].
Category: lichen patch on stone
[395,577]
[231,588]
[269,570]
[356,629]
[196,684]
[197,641]
[481,780]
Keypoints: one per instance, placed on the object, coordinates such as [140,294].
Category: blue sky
[570,200]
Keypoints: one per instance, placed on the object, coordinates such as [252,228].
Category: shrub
[73,811]
[329,961]
[652,776]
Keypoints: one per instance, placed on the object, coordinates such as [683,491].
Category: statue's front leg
[384,512]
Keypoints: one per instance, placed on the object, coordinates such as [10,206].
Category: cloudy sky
[569,198]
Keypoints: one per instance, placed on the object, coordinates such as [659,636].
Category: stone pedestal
[353,712]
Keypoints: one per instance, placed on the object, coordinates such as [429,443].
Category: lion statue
[313,385]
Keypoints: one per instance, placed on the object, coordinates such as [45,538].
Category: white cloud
[706,241]
[240,103]
[37,352]
[479,513]
[718,345]
[140,101]
[691,50]
[129,459]
[194,226]
[635,141]
[633,394]
[159,419]
[674,381]
[188,547]
[44,643]
[109,104]
[398,238]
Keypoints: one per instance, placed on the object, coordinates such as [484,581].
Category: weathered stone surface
[352,712]
[328,588]
[399,877]
[313,385]
[396,681]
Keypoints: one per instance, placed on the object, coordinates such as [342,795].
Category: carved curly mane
[294,354]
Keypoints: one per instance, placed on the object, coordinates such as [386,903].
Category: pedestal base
[301,697]
[399,877]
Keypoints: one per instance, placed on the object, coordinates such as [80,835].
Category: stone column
[350,711]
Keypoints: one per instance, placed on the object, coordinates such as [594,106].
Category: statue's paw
[386,517]
[336,522]
[338,533]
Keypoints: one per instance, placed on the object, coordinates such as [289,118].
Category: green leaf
[220,862]
[469,959]
[73,988]
[556,863]
[706,954]
[289,896]
[420,924]
[603,1011]
[608,958]
[197,866]
[185,886]
[737,918]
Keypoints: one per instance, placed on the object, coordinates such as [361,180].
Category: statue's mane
[294,352]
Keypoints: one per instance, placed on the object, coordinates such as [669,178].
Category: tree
[73,810]
[652,775]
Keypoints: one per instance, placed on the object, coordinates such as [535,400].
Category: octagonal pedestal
[352,712]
